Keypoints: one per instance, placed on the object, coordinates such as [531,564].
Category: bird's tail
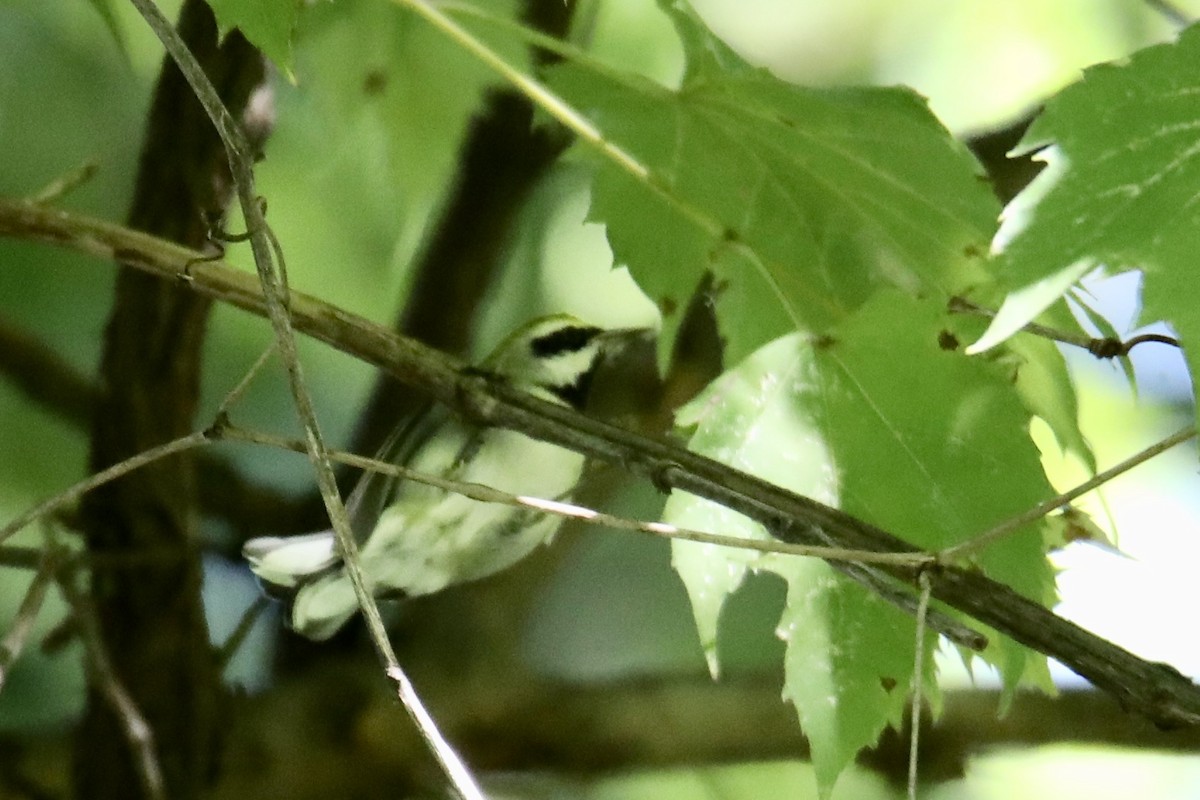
[284,564]
[306,572]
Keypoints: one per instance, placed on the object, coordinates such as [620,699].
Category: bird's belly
[419,547]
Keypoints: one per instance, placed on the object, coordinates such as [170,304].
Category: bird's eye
[564,340]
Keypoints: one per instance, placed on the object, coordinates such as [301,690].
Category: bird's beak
[619,338]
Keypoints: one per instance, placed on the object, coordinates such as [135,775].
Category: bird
[416,539]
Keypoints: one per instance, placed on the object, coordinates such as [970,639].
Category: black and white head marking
[576,349]
[564,341]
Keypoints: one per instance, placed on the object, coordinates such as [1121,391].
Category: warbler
[416,539]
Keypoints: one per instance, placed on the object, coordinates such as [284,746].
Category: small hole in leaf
[374,83]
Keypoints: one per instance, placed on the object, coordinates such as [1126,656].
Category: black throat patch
[574,394]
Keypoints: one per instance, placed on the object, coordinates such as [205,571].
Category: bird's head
[553,357]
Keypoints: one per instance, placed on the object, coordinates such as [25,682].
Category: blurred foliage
[370,123]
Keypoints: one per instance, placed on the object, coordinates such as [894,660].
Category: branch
[22,624]
[595,730]
[272,280]
[1155,690]
[1108,347]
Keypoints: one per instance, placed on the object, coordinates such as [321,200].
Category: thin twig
[234,641]
[1104,348]
[1161,338]
[16,557]
[235,394]
[918,684]
[460,777]
[277,301]
[1171,12]
[622,159]
[977,543]
[36,369]
[487,494]
[192,440]
[104,677]
[18,633]
[63,185]
[952,629]
[543,97]
[28,558]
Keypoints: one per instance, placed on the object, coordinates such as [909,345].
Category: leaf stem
[1108,347]
[551,103]
[721,234]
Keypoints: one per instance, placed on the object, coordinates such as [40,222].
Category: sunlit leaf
[270,25]
[923,435]
[1128,138]
[740,420]
[801,201]
[1024,305]
[1039,373]
[848,665]
[896,425]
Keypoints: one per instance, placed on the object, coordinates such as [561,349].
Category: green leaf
[740,420]
[1040,375]
[801,201]
[883,418]
[1025,304]
[270,25]
[924,436]
[1124,189]
[848,665]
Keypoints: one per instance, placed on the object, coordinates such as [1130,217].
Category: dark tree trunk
[149,612]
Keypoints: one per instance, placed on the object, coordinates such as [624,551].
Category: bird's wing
[375,490]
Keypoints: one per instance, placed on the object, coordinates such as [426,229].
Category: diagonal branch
[1156,691]
[272,281]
